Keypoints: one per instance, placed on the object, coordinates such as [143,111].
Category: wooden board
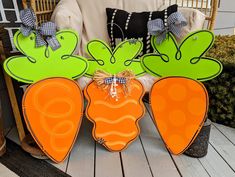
[4,171]
[135,162]
[82,157]
[147,156]
[228,132]
[159,159]
[107,163]
[223,146]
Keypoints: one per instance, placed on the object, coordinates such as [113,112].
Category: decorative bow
[174,23]
[110,82]
[47,29]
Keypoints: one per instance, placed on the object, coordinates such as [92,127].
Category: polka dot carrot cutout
[179,101]
[181,109]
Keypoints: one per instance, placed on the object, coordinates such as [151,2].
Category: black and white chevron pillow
[123,25]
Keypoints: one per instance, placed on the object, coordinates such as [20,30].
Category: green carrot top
[123,57]
[38,63]
[186,59]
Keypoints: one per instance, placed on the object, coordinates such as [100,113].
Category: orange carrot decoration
[179,101]
[179,107]
[115,118]
[53,111]
[53,104]
[114,96]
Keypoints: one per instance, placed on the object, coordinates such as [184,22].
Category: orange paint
[179,106]
[115,122]
[53,111]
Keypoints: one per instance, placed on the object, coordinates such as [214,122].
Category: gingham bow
[47,29]
[174,23]
[110,80]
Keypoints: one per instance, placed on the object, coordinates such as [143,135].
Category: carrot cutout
[114,96]
[179,101]
[53,104]
[53,111]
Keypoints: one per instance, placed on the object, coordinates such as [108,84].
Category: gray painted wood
[134,161]
[227,131]
[215,165]
[107,163]
[81,160]
[223,146]
[227,5]
[13,135]
[187,166]
[229,31]
[5,172]
[62,166]
[158,157]
[190,167]
[225,20]
[147,156]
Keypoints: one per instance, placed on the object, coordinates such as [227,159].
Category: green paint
[42,62]
[185,59]
[123,57]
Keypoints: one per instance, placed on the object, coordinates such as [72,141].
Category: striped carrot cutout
[114,96]
[115,108]
[179,100]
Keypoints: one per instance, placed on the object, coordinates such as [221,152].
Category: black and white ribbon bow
[174,24]
[110,80]
[47,29]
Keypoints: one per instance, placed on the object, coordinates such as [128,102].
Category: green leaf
[169,44]
[124,57]
[195,71]
[185,60]
[68,40]
[72,67]
[196,44]
[42,62]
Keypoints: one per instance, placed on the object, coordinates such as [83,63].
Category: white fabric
[88,18]
[67,15]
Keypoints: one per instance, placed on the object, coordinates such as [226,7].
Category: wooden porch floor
[147,156]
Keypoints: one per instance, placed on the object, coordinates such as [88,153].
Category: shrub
[222,89]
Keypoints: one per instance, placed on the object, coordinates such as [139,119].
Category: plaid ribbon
[110,80]
[175,22]
[47,29]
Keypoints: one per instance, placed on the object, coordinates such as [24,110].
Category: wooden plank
[215,165]
[81,161]
[134,161]
[108,164]
[62,166]
[13,100]
[227,131]
[4,171]
[190,167]
[159,159]
[13,135]
[223,146]
[187,166]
